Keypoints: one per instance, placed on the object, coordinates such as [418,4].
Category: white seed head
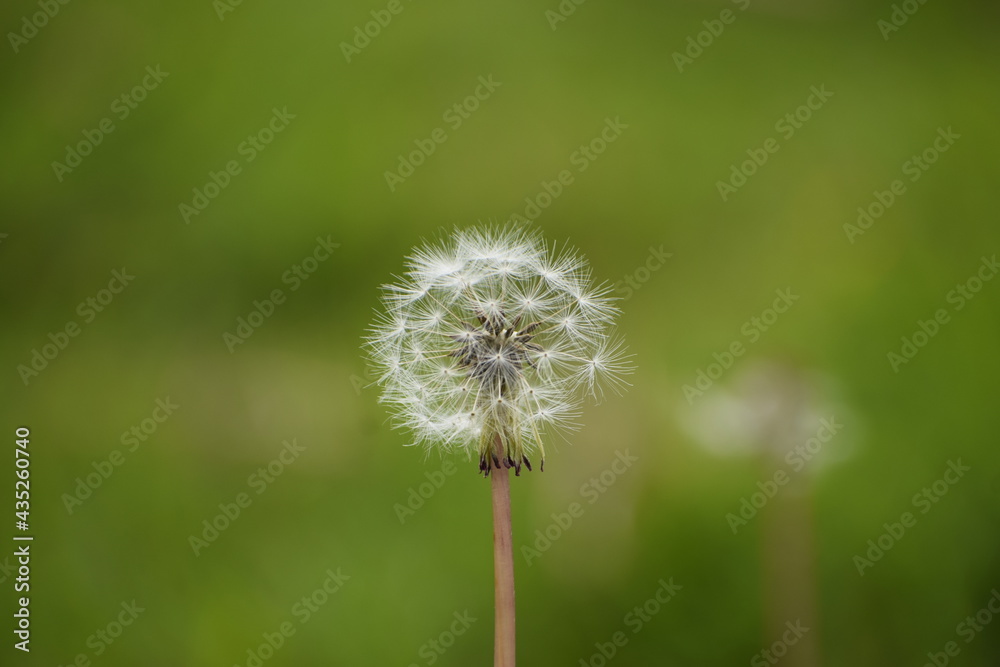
[493,335]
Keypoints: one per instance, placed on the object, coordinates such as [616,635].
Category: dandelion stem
[503,566]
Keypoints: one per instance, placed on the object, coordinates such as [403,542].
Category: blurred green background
[300,374]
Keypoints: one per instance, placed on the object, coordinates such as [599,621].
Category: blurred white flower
[773,408]
[492,333]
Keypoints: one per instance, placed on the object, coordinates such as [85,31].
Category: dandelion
[489,340]
[492,334]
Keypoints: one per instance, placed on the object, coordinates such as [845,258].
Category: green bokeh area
[653,189]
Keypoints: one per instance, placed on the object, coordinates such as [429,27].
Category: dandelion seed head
[493,335]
